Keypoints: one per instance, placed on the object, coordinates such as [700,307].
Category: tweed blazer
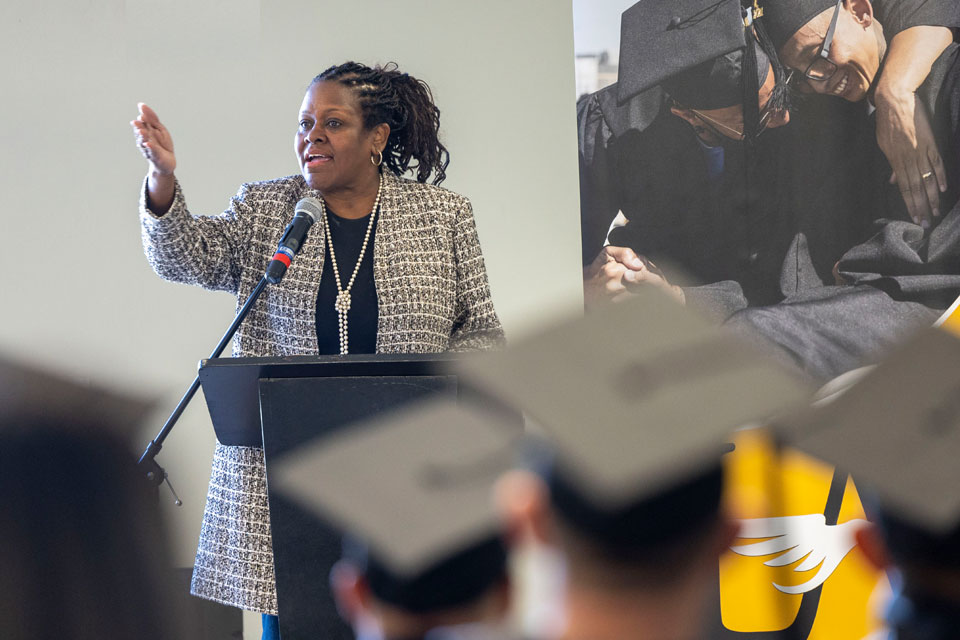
[433,296]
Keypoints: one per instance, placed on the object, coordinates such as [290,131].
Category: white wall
[227,79]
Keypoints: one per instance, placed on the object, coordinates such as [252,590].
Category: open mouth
[841,87]
[316,159]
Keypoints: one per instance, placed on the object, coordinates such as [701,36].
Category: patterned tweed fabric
[433,296]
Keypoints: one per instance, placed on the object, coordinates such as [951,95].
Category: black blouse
[347,237]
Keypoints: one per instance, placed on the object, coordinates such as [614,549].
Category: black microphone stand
[155,473]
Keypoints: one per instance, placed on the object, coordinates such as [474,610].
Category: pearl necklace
[342,303]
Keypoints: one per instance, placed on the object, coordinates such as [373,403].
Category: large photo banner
[790,170]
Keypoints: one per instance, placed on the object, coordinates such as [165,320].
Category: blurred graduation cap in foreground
[636,401]
[897,432]
[83,545]
[31,395]
[413,489]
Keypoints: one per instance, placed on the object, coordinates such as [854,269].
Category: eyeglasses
[822,68]
[716,125]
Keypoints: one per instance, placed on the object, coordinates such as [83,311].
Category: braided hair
[404,103]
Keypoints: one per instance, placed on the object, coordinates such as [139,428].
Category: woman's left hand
[906,138]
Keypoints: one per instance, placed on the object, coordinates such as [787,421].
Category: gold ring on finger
[927,175]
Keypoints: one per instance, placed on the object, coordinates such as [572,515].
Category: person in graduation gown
[679,185]
[907,272]
[645,568]
[662,147]
[465,588]
[411,492]
[623,472]
[893,73]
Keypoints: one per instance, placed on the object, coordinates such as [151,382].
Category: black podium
[283,403]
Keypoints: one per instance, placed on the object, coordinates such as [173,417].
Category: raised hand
[154,141]
[156,145]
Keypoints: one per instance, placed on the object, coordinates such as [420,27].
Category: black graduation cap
[897,432]
[636,403]
[694,48]
[783,18]
[413,491]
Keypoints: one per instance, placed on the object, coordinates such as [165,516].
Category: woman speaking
[392,266]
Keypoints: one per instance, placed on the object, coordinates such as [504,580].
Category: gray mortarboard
[635,400]
[783,18]
[897,433]
[30,395]
[692,48]
[415,488]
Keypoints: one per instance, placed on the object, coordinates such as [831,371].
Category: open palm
[154,141]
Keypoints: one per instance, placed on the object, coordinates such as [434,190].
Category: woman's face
[332,145]
[854,51]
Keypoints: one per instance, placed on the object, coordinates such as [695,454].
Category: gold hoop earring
[379,159]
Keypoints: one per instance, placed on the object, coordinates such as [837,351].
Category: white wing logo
[806,537]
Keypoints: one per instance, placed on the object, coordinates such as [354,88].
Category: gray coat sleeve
[200,250]
[476,325]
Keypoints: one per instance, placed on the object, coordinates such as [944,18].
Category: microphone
[306,213]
